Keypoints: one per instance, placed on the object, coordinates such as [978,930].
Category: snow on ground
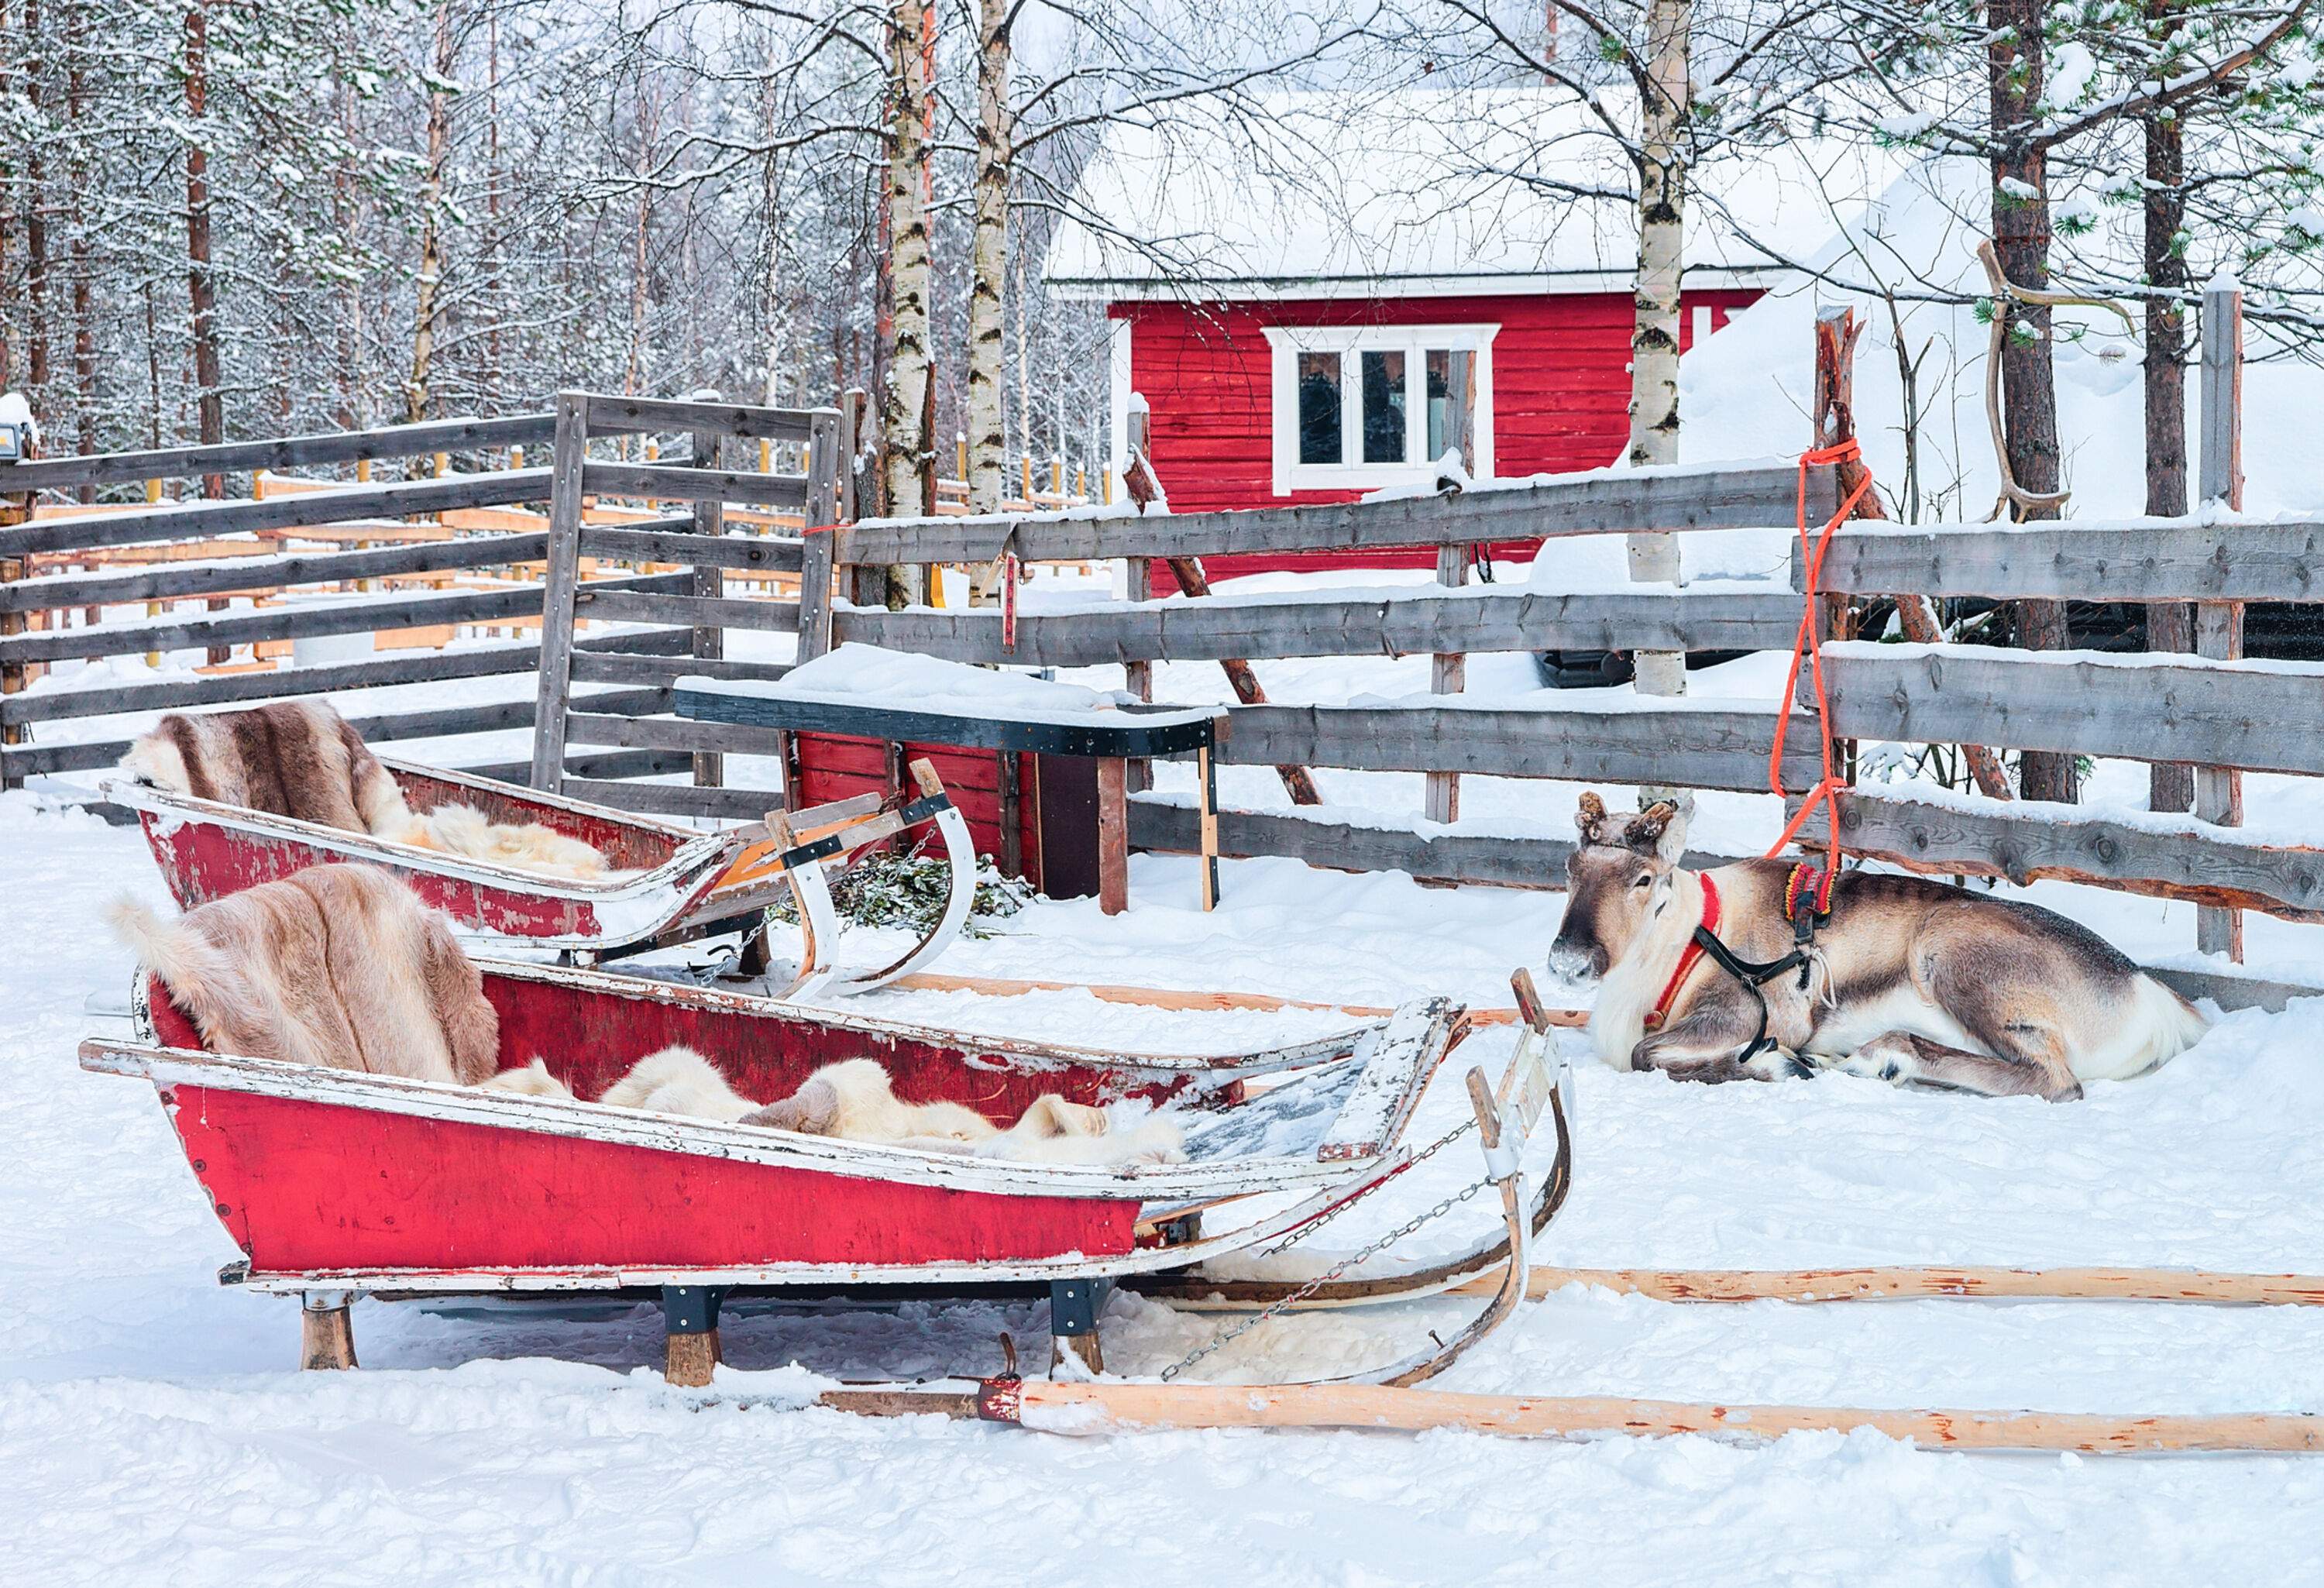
[150,1431]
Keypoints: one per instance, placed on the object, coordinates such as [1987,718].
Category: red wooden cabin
[1312,318]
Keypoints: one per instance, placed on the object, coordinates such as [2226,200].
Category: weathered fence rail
[90,562]
[1401,625]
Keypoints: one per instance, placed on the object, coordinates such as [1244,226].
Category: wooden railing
[699,602]
[58,562]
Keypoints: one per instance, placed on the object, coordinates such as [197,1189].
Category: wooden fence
[62,561]
[564,718]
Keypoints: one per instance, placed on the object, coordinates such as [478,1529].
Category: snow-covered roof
[1423,191]
[1744,393]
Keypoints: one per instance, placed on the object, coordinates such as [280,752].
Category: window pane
[1440,402]
[1384,397]
[1319,408]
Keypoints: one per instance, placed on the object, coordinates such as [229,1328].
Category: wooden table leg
[1207,786]
[1112,834]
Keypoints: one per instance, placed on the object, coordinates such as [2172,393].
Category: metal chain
[1331,1273]
[704,975]
[1421,1156]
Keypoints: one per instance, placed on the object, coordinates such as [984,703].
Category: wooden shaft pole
[1103,1408]
[1932,1282]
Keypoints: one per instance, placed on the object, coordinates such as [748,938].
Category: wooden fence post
[709,641]
[826,466]
[2219,625]
[1137,574]
[1448,674]
[560,580]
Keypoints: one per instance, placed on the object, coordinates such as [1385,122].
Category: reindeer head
[1617,876]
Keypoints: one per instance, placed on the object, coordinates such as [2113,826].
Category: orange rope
[1808,643]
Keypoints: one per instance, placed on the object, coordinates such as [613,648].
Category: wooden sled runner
[336,1183]
[669,883]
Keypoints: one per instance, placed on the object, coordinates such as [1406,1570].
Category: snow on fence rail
[84,560]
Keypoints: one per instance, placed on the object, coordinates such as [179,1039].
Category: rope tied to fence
[1808,644]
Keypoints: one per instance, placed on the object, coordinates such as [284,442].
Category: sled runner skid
[668,883]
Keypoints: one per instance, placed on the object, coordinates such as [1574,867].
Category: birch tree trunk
[431,224]
[903,396]
[201,286]
[1654,323]
[2170,625]
[988,268]
[2015,58]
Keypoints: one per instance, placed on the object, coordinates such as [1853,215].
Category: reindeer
[1713,975]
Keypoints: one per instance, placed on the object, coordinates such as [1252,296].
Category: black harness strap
[1801,903]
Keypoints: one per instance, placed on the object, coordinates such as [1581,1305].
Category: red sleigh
[336,1183]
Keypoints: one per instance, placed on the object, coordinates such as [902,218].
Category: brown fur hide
[301,759]
[338,965]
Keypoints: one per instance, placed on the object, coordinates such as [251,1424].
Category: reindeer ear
[1660,829]
[1592,819]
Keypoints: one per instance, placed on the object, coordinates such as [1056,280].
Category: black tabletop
[1106,734]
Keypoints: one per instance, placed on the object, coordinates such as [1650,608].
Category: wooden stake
[688,1360]
[1105,1409]
[1112,834]
[326,1336]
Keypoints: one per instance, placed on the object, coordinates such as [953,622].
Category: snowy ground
[150,1433]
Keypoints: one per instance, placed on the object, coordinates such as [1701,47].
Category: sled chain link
[1420,1158]
[1338,1268]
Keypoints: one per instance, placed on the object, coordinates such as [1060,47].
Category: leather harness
[1807,904]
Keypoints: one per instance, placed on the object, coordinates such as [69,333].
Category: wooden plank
[559,590]
[1745,495]
[1687,747]
[2081,561]
[611,763]
[1221,628]
[498,489]
[2027,843]
[827,505]
[742,805]
[1112,834]
[410,667]
[175,580]
[1916,1283]
[1116,1407]
[1448,674]
[437,723]
[613,415]
[357,614]
[672,482]
[618,666]
[1160,822]
[2219,625]
[781,617]
[448,435]
[2144,708]
[709,584]
[767,553]
[659,733]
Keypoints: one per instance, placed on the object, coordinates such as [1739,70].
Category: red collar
[1687,958]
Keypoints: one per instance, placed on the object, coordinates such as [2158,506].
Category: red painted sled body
[668,879]
[335,1179]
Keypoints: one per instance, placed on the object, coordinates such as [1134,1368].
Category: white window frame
[1287,343]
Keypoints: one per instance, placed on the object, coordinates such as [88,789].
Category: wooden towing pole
[1908,1283]
[1086,1409]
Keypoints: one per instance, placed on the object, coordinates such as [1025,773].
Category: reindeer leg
[1903,1056]
[1704,1044]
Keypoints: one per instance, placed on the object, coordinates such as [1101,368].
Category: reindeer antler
[1591,818]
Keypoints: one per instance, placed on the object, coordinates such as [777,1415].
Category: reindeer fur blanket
[855,1101]
[336,965]
[301,760]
